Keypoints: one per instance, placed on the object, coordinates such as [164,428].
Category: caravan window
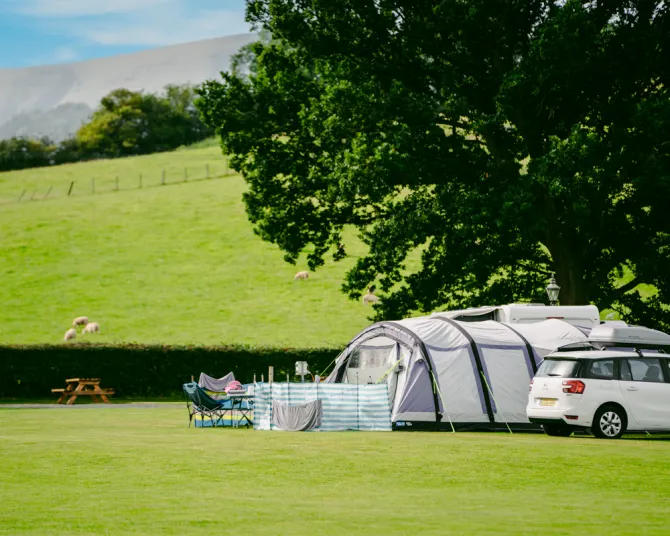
[560,368]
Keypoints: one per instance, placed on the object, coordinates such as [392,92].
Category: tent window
[363,357]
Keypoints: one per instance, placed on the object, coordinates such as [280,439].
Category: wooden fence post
[32,196]
[117,183]
[140,181]
[163,178]
[207,171]
[92,185]
[48,192]
[21,196]
[70,190]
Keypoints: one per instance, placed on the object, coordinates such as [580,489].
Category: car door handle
[632,388]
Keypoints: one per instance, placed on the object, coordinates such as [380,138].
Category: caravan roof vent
[607,335]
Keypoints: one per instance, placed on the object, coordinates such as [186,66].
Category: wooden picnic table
[83,387]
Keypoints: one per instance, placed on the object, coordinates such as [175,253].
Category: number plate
[548,401]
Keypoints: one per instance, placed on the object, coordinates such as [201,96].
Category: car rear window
[559,368]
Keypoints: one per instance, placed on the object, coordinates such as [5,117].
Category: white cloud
[81,8]
[164,28]
[134,22]
[64,55]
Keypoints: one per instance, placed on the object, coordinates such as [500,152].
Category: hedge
[142,370]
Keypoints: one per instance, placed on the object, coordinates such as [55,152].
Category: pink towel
[234,386]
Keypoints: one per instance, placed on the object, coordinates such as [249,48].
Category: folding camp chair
[198,402]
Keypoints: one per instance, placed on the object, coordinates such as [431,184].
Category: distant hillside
[56,124]
[163,264]
[53,100]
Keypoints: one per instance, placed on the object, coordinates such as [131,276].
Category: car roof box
[615,334]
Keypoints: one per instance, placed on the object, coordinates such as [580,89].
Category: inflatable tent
[443,373]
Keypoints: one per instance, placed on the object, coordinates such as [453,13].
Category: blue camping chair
[198,402]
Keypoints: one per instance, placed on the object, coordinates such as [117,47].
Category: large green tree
[501,139]
[130,122]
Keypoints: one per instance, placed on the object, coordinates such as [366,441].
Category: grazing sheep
[370,297]
[92,327]
[70,334]
[80,321]
[301,275]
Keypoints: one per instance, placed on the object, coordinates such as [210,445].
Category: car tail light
[530,387]
[573,386]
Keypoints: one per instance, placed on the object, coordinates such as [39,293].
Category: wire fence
[116,183]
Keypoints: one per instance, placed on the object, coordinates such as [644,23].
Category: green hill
[177,263]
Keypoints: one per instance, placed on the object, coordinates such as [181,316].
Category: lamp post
[552,290]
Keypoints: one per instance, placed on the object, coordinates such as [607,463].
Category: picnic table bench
[83,387]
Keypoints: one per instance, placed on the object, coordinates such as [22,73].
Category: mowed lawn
[114,470]
[174,264]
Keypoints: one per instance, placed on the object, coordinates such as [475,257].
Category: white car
[616,382]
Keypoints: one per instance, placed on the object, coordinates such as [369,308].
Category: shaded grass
[111,470]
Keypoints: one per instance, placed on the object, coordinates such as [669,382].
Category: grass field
[164,264]
[112,470]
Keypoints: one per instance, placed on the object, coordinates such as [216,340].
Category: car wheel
[557,430]
[609,423]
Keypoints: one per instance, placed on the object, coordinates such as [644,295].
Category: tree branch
[620,291]
[535,269]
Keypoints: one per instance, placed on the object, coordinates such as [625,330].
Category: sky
[39,32]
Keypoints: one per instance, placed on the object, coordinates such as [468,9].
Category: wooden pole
[207,171]
[271,374]
[93,185]
[32,196]
[163,179]
[117,183]
[70,190]
[48,192]
[140,181]
[21,196]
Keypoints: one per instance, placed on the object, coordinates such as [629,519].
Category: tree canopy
[126,123]
[501,140]
[129,122]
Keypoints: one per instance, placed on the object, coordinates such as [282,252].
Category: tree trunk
[570,279]
[567,262]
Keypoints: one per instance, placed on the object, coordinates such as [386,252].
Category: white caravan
[585,317]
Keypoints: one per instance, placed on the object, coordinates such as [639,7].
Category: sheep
[301,275]
[80,321]
[370,297]
[92,327]
[70,334]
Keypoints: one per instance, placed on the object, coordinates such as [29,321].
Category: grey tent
[443,373]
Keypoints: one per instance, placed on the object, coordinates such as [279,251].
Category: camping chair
[198,402]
